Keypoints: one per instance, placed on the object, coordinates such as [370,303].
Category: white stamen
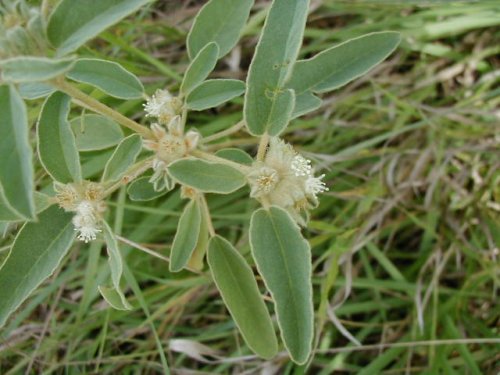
[301,166]
[314,185]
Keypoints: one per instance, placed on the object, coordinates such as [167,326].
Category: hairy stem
[261,152]
[131,174]
[96,106]
[210,157]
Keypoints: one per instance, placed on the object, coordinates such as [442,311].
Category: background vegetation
[409,226]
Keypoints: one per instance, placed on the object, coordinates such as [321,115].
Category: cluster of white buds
[286,179]
[163,106]
[85,200]
[169,145]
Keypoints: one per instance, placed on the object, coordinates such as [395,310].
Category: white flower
[263,181]
[301,166]
[286,179]
[315,185]
[85,221]
[162,105]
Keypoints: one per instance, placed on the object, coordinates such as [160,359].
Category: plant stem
[261,152]
[96,106]
[210,225]
[131,174]
[233,129]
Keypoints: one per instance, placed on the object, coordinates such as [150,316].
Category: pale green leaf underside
[239,290]
[33,69]
[207,176]
[95,132]
[37,251]
[219,21]
[110,77]
[123,157]
[341,64]
[280,112]
[56,141]
[75,22]
[35,90]
[283,259]
[142,190]
[199,69]
[272,63]
[214,92]
[186,237]
[16,168]
[114,295]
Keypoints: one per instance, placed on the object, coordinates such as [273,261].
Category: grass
[405,244]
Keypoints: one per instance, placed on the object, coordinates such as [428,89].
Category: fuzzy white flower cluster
[163,106]
[169,144]
[85,200]
[286,179]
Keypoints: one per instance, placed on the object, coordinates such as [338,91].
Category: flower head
[163,106]
[286,179]
[85,200]
[169,144]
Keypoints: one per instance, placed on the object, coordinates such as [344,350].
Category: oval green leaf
[236,283]
[114,295]
[37,251]
[56,141]
[95,132]
[33,69]
[207,176]
[305,103]
[186,237]
[342,63]
[214,92]
[201,66]
[235,154]
[42,201]
[143,190]
[16,171]
[283,258]
[123,157]
[73,23]
[108,76]
[219,21]
[272,63]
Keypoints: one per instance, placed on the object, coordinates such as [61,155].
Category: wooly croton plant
[39,52]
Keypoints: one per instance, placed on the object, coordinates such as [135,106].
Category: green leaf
[73,23]
[35,90]
[305,103]
[42,201]
[16,168]
[214,92]
[201,66]
[142,190]
[95,132]
[342,63]
[123,157]
[56,141]
[206,176]
[281,112]
[33,69]
[114,295]
[196,259]
[272,63]
[219,21]
[186,237]
[37,251]
[283,259]
[235,154]
[239,290]
[110,77]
